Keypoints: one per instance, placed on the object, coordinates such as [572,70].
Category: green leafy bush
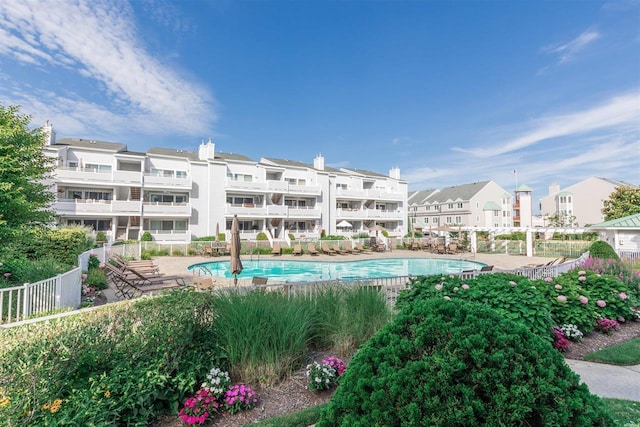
[601,249]
[119,365]
[456,363]
[96,278]
[512,296]
[93,262]
[101,237]
[261,236]
[146,237]
[21,270]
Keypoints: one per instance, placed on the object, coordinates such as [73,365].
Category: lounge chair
[487,268]
[204,283]
[360,248]
[257,280]
[147,278]
[453,248]
[123,267]
[311,248]
[415,246]
[128,288]
[441,249]
[297,249]
[144,264]
[327,250]
[346,247]
[336,248]
[276,249]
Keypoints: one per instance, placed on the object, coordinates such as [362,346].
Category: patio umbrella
[235,263]
[217,231]
[344,224]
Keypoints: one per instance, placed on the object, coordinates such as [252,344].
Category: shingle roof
[419,196]
[462,192]
[366,173]
[491,206]
[90,143]
[631,221]
[174,153]
[232,156]
[284,162]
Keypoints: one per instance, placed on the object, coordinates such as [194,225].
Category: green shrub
[96,278]
[119,365]
[385,233]
[455,363]
[23,270]
[100,236]
[261,236]
[601,249]
[177,252]
[93,262]
[292,237]
[207,238]
[510,295]
[146,237]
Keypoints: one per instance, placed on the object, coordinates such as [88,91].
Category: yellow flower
[55,406]
[107,394]
[46,406]
[4,402]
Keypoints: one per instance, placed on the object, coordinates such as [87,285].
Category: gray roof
[618,183]
[458,192]
[292,163]
[366,173]
[233,157]
[174,153]
[419,196]
[90,143]
[627,222]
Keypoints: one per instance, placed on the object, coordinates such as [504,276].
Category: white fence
[59,292]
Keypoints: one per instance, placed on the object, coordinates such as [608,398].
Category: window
[72,165]
[426,220]
[458,220]
[448,220]
[459,205]
[341,186]
[450,205]
[302,182]
[496,213]
[428,208]
[181,174]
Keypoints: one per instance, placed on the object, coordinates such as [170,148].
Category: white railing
[20,302]
[629,255]
[168,208]
[153,180]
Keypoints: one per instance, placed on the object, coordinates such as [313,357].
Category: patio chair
[327,250]
[128,288]
[453,248]
[346,247]
[204,283]
[147,279]
[415,246]
[311,248]
[360,248]
[336,248]
[207,251]
[441,249]
[276,249]
[487,268]
[145,264]
[297,249]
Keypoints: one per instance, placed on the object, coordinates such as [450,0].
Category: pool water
[308,271]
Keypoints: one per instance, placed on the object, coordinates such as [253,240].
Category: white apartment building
[479,204]
[579,204]
[177,195]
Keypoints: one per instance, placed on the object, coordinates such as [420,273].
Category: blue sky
[450,92]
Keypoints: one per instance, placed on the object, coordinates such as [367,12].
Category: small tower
[49,133]
[394,173]
[318,162]
[523,207]
[207,151]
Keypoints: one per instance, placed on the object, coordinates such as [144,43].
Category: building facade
[479,204]
[178,195]
[580,204]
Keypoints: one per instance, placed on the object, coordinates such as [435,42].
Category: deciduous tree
[624,201]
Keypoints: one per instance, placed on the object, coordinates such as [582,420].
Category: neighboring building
[177,194]
[480,204]
[623,234]
[579,204]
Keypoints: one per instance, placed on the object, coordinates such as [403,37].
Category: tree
[624,201]
[561,220]
[24,196]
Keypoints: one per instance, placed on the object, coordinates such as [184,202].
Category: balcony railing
[368,194]
[302,212]
[154,180]
[166,209]
[82,206]
[98,177]
[368,213]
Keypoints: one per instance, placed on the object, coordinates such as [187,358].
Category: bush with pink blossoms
[560,341]
[336,363]
[240,397]
[606,326]
[198,408]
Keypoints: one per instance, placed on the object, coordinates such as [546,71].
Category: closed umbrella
[217,231]
[235,263]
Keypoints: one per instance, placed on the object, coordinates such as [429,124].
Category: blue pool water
[307,271]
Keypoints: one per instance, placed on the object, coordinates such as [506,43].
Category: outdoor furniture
[297,249]
[311,248]
[453,248]
[415,246]
[347,247]
[207,251]
[204,283]
[487,268]
[276,249]
[144,264]
[128,288]
[257,280]
[336,248]
[360,248]
[327,250]
[441,249]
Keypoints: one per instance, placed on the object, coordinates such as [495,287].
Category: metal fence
[20,302]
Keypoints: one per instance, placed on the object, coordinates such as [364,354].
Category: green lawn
[624,412]
[622,354]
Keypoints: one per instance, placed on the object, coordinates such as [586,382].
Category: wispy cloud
[618,112]
[98,41]
[568,51]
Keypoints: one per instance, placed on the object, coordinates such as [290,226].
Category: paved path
[620,382]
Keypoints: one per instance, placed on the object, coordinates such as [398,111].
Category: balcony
[126,207]
[350,213]
[277,210]
[127,178]
[158,181]
[246,210]
[118,177]
[303,212]
[368,194]
[170,235]
[82,207]
[304,189]
[351,194]
[247,185]
[166,209]
[278,186]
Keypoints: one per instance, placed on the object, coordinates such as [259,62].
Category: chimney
[554,188]
[394,173]
[318,162]
[207,151]
[49,133]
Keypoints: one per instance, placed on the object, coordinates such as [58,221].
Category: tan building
[579,204]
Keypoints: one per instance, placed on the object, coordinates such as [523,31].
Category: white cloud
[567,51]
[618,112]
[98,41]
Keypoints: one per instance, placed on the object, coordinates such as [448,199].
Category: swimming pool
[308,271]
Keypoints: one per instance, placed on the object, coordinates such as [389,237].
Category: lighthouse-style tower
[523,207]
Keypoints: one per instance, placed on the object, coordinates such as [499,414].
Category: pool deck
[178,265]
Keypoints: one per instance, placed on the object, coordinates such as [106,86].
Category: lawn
[623,354]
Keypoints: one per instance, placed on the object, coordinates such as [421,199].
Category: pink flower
[548,279]
[601,303]
[582,278]
[512,283]
[622,295]
[465,286]
[558,287]
[562,298]
[583,299]
[447,298]
[84,277]
[582,272]
[621,319]
[7,274]
[438,287]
